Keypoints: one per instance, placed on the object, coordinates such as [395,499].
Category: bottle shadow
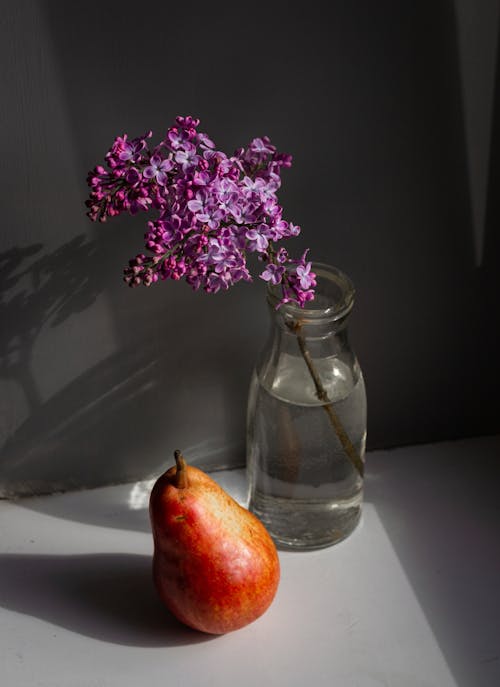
[109,597]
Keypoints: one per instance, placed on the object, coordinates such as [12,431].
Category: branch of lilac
[212,210]
[322,395]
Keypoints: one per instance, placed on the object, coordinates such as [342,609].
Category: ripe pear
[215,566]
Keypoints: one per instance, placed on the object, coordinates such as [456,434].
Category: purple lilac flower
[256,241]
[205,142]
[273,273]
[130,151]
[305,276]
[158,169]
[132,177]
[176,139]
[187,157]
[212,209]
[282,255]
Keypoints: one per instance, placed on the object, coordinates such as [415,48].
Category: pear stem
[180,478]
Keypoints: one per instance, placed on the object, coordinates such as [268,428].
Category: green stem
[321,393]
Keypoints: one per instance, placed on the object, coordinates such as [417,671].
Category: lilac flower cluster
[211,210]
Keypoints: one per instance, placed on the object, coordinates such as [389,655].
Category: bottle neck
[289,335]
[291,321]
[324,316]
[308,349]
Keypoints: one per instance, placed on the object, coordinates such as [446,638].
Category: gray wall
[394,181]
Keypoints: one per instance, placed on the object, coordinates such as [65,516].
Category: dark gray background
[99,383]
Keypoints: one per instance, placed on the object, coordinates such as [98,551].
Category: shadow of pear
[109,597]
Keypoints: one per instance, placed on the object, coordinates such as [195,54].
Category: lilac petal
[204,140]
[201,178]
[195,205]
[167,165]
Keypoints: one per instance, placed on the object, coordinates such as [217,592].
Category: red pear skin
[215,566]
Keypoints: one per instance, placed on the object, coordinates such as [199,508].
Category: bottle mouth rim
[326,275]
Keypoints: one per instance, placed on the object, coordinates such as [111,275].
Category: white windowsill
[411,599]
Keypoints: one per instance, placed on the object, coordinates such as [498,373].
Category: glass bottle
[306,422]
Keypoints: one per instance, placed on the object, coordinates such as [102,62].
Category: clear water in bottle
[303,485]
